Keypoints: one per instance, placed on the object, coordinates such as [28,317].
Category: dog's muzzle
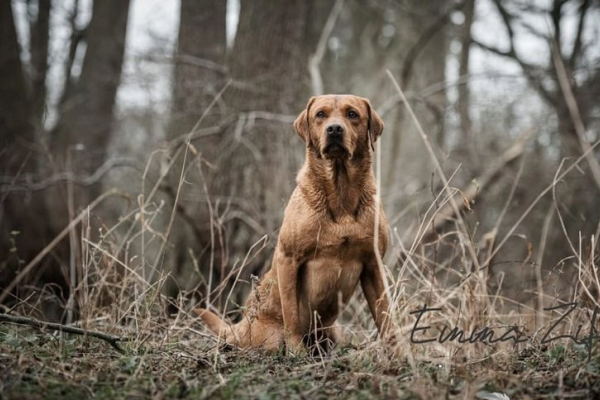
[334,147]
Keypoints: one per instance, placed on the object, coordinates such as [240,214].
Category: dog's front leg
[287,279]
[372,282]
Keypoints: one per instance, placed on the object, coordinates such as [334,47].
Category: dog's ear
[302,124]
[374,126]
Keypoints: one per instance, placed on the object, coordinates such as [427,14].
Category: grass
[121,292]
[174,357]
[42,365]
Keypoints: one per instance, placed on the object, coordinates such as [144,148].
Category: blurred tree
[421,50]
[198,77]
[464,106]
[81,136]
[568,81]
[269,65]
[572,56]
[21,228]
[38,200]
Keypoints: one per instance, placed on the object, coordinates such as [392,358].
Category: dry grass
[119,291]
[174,357]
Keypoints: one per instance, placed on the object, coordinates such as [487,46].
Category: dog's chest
[346,239]
[329,282]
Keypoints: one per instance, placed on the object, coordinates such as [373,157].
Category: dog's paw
[295,346]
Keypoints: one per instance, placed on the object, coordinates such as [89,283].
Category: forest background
[147,153]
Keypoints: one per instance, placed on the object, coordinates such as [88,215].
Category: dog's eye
[321,114]
[352,115]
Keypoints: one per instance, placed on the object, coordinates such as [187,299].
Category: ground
[45,365]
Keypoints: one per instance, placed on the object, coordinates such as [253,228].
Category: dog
[326,244]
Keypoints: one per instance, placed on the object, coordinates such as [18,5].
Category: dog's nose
[335,130]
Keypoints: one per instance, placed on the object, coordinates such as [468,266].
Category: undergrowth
[457,334]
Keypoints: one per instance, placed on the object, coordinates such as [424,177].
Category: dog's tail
[217,325]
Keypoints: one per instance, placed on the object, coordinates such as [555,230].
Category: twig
[42,325]
[528,69]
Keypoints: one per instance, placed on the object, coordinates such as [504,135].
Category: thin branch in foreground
[42,325]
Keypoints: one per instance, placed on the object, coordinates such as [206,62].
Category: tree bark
[198,77]
[270,59]
[40,34]
[421,47]
[22,230]
[464,103]
[80,139]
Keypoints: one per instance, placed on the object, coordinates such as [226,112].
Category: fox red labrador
[327,241]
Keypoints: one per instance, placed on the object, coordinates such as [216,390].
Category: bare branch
[42,325]
[534,31]
[528,69]
[7,183]
[507,19]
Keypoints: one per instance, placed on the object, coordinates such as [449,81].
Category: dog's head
[339,126]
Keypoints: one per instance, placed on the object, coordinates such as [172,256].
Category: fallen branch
[42,325]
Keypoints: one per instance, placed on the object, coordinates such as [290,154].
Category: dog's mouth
[335,149]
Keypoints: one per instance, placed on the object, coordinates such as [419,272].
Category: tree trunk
[40,34]
[20,235]
[421,47]
[80,139]
[464,103]
[270,58]
[198,77]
